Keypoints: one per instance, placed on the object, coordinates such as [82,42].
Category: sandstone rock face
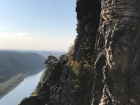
[116,26]
[112,9]
[117,47]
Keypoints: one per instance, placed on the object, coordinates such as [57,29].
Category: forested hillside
[42,53]
[12,63]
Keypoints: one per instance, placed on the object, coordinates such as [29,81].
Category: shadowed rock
[118,57]
[118,38]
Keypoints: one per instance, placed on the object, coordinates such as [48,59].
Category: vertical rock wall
[88,18]
[117,80]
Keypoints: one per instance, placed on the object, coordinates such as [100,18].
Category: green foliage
[89,57]
[88,44]
[46,75]
[81,73]
[70,62]
[38,89]
[88,48]
[76,68]
[70,50]
[50,73]
[63,57]
[76,86]
[74,74]
[51,60]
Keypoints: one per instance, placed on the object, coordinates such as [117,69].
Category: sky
[37,24]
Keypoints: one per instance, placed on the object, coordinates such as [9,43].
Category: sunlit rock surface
[116,26]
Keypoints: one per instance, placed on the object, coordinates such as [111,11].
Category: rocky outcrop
[115,78]
[118,54]
[32,100]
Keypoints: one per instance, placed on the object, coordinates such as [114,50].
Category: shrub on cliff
[70,50]
[82,72]
[38,89]
[50,62]
[63,57]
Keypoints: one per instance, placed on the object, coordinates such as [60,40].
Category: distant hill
[12,63]
[44,53]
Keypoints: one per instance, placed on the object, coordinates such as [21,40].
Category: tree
[70,49]
[51,60]
[63,56]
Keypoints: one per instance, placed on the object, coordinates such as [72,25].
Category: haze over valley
[15,65]
[30,31]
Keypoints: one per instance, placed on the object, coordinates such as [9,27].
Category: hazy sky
[37,24]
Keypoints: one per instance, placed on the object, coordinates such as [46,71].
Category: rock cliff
[103,68]
[117,47]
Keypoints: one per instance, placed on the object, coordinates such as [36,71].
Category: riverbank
[24,89]
[12,83]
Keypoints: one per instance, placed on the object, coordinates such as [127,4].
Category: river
[24,89]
